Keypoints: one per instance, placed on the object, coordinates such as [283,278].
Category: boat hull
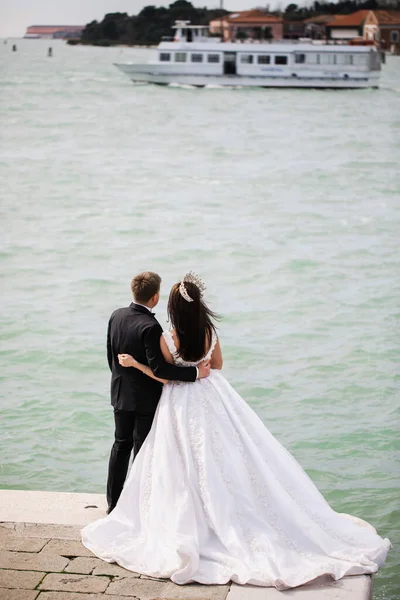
[149,74]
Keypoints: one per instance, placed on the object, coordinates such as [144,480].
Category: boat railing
[311,41]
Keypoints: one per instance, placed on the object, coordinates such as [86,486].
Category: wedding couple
[212,496]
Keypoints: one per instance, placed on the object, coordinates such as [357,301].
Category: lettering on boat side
[272,69]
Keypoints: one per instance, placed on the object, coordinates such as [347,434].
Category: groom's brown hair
[145,285]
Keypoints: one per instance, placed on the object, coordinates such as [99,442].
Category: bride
[212,496]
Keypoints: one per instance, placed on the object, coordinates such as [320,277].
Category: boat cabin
[184,32]
[252,62]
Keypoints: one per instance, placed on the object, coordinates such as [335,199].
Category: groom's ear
[155,299]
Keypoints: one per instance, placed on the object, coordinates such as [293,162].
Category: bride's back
[192,321]
[173,344]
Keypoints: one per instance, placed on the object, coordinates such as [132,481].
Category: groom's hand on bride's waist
[203,369]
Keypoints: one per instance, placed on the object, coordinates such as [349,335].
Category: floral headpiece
[191,277]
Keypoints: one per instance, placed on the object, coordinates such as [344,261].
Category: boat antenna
[221,7]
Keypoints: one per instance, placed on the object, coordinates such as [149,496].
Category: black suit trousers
[131,429]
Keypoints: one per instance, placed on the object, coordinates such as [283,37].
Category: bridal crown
[191,277]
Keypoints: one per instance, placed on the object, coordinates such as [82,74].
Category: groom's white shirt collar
[144,306]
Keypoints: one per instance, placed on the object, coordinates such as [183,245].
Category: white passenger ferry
[194,58]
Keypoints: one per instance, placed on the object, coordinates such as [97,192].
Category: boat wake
[184,86]
[216,86]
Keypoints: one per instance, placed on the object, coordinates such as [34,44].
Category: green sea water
[287,203]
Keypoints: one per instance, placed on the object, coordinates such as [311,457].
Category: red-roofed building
[360,24]
[54,31]
[380,26]
[253,24]
[389,30]
[315,27]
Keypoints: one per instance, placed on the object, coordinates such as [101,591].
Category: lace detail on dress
[167,335]
[177,359]
[214,339]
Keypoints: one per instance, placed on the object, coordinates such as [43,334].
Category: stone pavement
[48,562]
[40,560]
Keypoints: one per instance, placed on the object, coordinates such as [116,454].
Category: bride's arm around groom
[126,360]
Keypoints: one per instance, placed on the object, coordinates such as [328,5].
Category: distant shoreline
[107,44]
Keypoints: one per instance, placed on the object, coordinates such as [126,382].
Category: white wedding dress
[212,497]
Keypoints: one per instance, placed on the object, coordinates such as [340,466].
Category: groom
[135,330]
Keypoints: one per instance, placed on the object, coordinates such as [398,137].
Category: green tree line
[148,27]
[153,23]
[342,7]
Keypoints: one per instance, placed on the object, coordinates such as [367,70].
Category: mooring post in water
[14,48]
[50,51]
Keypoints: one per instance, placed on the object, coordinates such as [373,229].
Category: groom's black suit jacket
[135,330]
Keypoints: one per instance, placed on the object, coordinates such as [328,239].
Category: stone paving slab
[5,531]
[21,580]
[67,548]
[28,561]
[20,543]
[139,589]
[18,594]
[114,570]
[82,565]
[162,579]
[58,532]
[7,525]
[195,592]
[75,596]
[66,582]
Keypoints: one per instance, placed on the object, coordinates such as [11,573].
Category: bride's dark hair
[192,321]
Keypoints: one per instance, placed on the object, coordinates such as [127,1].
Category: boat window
[361,60]
[263,59]
[348,59]
[197,58]
[213,58]
[328,59]
[312,58]
[165,56]
[281,60]
[180,56]
[299,58]
[246,58]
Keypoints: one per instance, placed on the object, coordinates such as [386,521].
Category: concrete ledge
[61,508]
[42,558]
[350,588]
